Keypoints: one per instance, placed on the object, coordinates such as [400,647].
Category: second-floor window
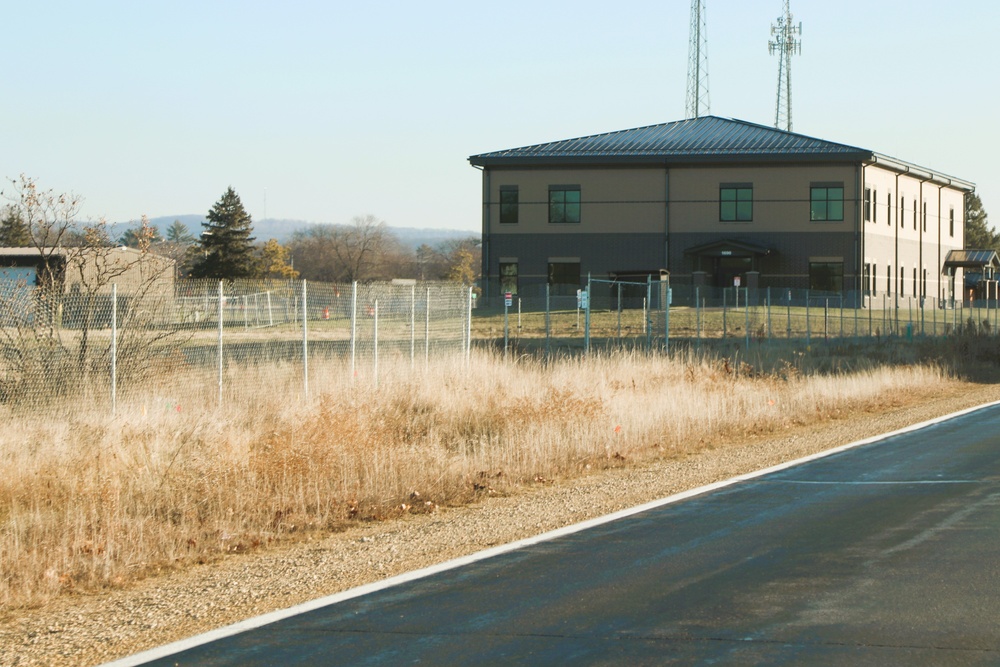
[508,204]
[564,204]
[826,203]
[736,203]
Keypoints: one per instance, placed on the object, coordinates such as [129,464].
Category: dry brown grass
[87,502]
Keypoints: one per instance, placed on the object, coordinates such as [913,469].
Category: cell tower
[785,43]
[697,80]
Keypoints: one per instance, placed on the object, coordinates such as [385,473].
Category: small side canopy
[985,262]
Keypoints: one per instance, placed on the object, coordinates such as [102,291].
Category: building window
[866,280]
[875,206]
[564,204]
[736,203]
[914,213]
[826,203]
[901,212]
[915,284]
[923,289]
[902,282]
[888,279]
[826,276]
[508,277]
[874,279]
[888,208]
[508,204]
[951,222]
[564,278]
[924,222]
[868,204]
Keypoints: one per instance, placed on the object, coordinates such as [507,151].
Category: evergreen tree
[226,243]
[14,231]
[978,233]
[178,233]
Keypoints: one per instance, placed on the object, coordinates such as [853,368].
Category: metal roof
[708,139]
[971,258]
[708,136]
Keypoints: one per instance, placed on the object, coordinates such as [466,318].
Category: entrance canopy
[729,248]
[985,262]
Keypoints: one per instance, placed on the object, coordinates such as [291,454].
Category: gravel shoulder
[91,629]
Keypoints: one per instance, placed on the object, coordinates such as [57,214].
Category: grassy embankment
[88,502]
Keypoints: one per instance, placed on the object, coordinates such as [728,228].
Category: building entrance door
[727,268]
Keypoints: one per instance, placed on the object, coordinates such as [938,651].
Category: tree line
[225,248]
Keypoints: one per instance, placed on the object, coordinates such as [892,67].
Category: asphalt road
[887,553]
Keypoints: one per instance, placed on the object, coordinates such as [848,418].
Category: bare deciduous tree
[344,253]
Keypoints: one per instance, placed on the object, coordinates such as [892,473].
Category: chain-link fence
[163,343]
[617,314]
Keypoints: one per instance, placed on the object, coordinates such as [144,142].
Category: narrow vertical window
[888,208]
[951,222]
[874,279]
[875,206]
[924,216]
[901,212]
[508,204]
[868,204]
[914,213]
[888,279]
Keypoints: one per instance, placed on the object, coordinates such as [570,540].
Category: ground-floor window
[508,277]
[564,278]
[826,276]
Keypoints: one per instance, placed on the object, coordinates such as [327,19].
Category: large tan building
[713,200]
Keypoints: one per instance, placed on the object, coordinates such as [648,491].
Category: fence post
[354,325]
[697,315]
[220,343]
[506,326]
[305,342]
[649,314]
[468,338]
[725,324]
[666,316]
[586,320]
[413,325]
[808,322]
[619,313]
[788,315]
[114,348]
[826,318]
[547,321]
[746,310]
[767,302]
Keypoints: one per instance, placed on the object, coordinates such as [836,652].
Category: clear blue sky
[324,110]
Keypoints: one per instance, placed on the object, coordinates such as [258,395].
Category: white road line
[312,605]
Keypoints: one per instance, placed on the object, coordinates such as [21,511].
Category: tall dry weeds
[87,502]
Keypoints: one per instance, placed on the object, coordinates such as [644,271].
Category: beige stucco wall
[780,194]
[891,239]
[615,200]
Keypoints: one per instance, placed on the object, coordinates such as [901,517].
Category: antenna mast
[697,79]
[785,43]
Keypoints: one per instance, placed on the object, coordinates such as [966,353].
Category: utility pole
[784,42]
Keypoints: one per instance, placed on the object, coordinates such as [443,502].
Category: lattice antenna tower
[786,43]
[697,80]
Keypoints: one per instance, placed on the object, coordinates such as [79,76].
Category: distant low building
[139,277]
[717,202]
